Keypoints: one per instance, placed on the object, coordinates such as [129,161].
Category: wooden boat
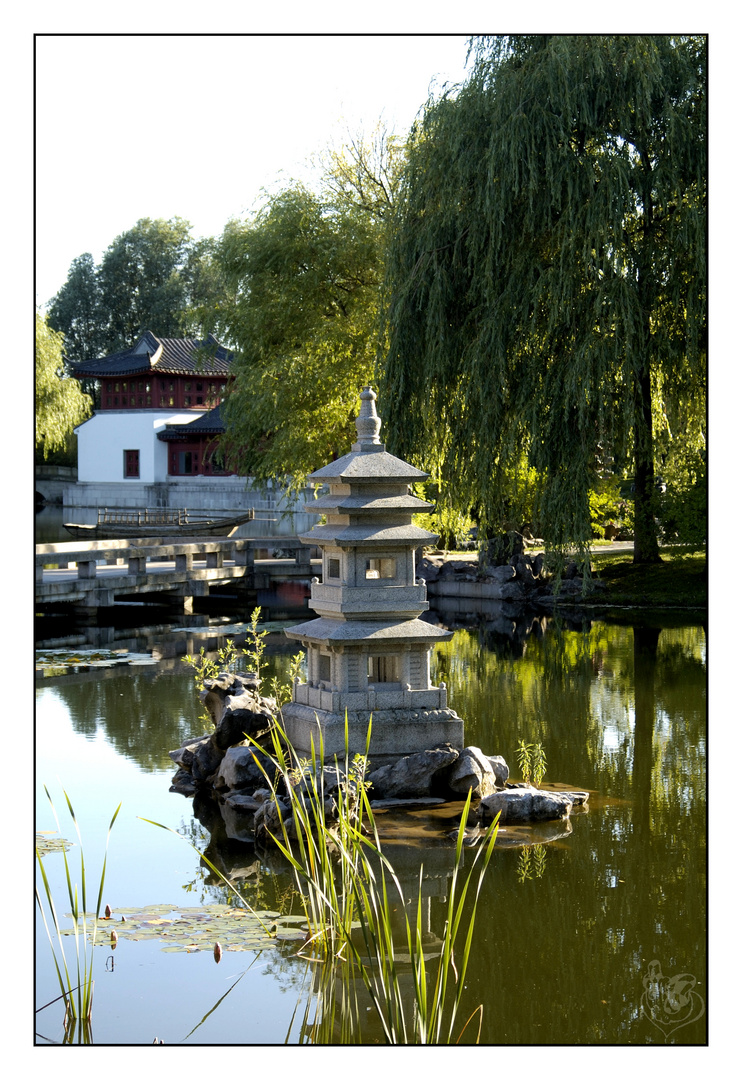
[137,524]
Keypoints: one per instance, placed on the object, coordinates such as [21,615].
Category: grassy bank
[679,582]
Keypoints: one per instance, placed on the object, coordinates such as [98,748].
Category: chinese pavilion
[159,412]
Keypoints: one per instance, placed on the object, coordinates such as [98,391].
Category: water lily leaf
[47,843]
[290,935]
[184,929]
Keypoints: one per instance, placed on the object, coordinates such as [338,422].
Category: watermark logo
[670,1002]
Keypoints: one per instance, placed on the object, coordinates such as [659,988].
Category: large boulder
[413,776]
[472,771]
[207,758]
[524,804]
[499,767]
[500,574]
[244,768]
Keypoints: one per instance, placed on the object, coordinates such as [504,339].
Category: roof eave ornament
[368,424]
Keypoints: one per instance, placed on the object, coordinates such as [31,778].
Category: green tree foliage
[303,283]
[546,278]
[60,403]
[76,311]
[152,277]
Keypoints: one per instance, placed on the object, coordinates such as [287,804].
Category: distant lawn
[679,581]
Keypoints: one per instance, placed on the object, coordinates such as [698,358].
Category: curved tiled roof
[172,356]
[208,423]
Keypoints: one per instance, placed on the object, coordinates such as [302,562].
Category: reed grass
[77,990]
[349,888]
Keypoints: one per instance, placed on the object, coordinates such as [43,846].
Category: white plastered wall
[101,442]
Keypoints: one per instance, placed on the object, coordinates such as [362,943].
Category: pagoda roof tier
[171,356]
[370,535]
[325,631]
[371,465]
[368,504]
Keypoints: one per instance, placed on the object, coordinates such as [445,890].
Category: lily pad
[63,661]
[184,929]
[47,843]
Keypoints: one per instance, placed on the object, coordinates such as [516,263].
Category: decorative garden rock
[237,711]
[500,769]
[236,708]
[412,776]
[525,804]
[243,767]
[473,771]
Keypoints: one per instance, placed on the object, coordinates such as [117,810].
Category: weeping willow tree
[545,286]
[304,276]
[60,403]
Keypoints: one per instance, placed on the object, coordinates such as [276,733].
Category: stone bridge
[100,573]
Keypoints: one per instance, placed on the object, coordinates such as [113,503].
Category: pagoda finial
[368,424]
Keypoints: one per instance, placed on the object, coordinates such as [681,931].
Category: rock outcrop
[237,711]
[506,571]
[244,781]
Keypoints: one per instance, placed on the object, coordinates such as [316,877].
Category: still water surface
[571,938]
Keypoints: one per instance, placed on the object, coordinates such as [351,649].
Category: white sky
[195,125]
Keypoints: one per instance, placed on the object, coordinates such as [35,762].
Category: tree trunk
[646,547]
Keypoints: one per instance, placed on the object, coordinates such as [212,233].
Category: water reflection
[565,934]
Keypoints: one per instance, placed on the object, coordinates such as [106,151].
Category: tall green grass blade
[78,999]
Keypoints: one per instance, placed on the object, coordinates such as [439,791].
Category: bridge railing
[136,553]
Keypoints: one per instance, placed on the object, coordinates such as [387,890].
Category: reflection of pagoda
[368,653]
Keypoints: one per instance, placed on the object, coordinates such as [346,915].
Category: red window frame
[131,464]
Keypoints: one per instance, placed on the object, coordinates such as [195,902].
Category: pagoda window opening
[324,668]
[381,568]
[383,669]
[333,568]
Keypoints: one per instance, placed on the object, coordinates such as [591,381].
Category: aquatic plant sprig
[531,762]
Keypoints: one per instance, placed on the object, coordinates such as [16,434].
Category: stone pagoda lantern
[368,653]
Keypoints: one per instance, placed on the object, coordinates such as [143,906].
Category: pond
[573,936]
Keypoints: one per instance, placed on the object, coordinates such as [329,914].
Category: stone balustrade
[92,572]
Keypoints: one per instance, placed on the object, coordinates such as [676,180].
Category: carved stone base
[395,733]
